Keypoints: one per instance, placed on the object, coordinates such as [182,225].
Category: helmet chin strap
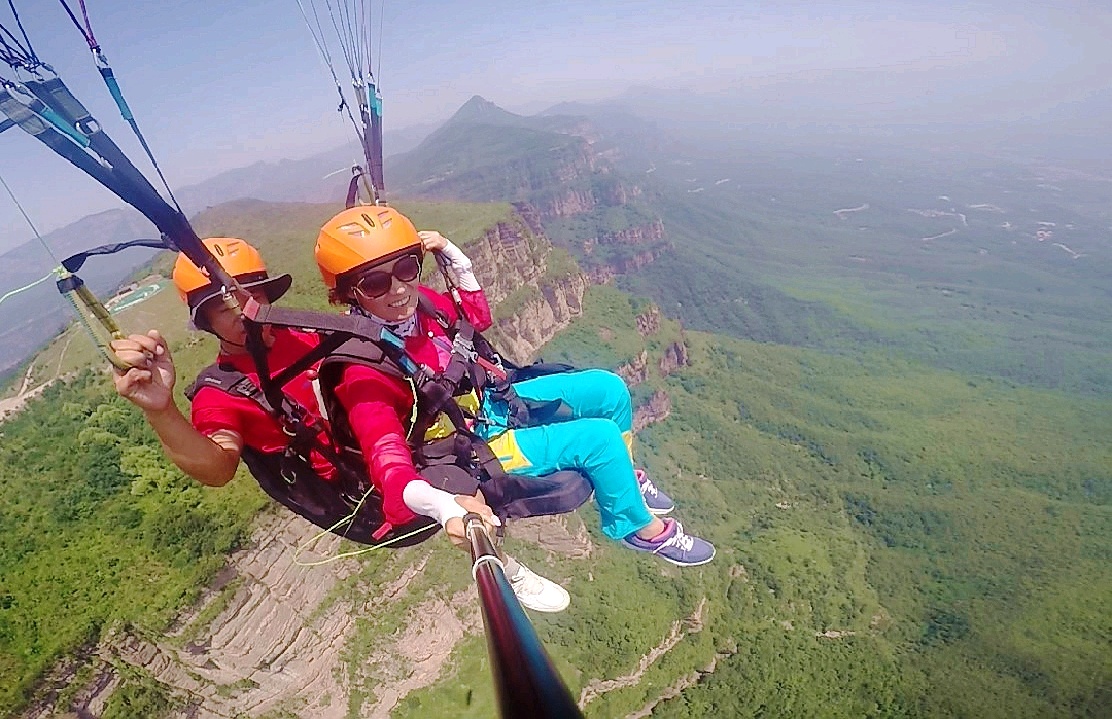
[227,344]
[240,347]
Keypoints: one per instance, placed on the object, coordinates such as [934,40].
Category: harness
[460,463]
[289,477]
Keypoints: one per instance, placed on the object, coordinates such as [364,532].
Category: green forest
[894,540]
[902,531]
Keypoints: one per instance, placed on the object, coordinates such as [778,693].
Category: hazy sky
[222,83]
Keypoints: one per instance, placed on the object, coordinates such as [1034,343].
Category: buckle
[285,473]
[464,347]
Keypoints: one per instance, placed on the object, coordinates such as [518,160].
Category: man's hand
[432,240]
[149,383]
[457,532]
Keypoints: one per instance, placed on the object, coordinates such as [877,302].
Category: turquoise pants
[594,442]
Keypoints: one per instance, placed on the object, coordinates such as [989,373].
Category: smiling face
[399,302]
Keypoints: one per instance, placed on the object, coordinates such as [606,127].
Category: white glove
[461,267]
[424,499]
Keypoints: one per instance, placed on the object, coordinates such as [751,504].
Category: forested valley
[896,435]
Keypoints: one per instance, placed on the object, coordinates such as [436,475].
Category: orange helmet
[363,236]
[239,259]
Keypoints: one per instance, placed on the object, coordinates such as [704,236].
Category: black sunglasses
[376,283]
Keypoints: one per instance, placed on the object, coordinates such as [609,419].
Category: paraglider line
[31,224]
[326,57]
[39,281]
[87,31]
[378,65]
[88,25]
[30,50]
[13,51]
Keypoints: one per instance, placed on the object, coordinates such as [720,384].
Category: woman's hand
[432,240]
[454,528]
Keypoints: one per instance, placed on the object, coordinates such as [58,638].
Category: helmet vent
[354,229]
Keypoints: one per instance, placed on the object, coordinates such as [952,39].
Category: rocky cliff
[601,273]
[567,203]
[664,351]
[644,234]
[535,292]
[675,356]
[565,167]
[656,409]
[273,639]
[636,370]
[542,313]
[648,322]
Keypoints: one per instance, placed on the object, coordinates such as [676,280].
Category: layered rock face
[508,256]
[602,273]
[540,318]
[270,639]
[635,371]
[566,169]
[657,409]
[675,356]
[648,322]
[568,203]
[532,300]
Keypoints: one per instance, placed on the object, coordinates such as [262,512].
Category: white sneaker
[537,593]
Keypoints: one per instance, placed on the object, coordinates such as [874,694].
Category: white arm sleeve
[424,499]
[461,268]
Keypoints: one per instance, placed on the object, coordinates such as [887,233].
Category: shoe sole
[661,512]
[544,610]
[688,564]
[627,545]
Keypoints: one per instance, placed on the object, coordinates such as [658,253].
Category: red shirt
[379,407]
[214,409]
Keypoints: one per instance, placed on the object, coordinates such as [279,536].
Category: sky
[225,83]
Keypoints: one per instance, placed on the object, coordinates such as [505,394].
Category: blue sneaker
[658,502]
[675,546]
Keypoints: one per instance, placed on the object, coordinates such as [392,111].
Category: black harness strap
[326,347]
[350,326]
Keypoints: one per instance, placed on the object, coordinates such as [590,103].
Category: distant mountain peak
[480,109]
